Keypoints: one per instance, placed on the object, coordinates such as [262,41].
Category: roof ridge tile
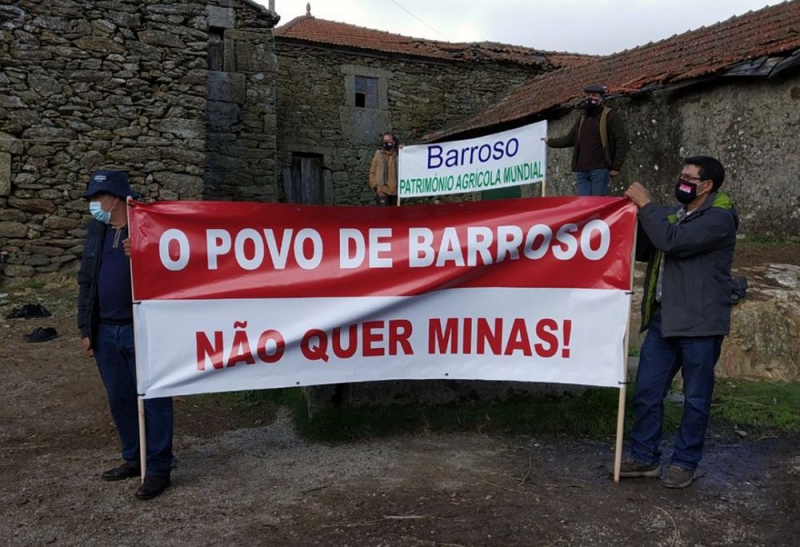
[324,31]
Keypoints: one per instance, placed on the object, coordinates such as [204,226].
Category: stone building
[341,86]
[180,94]
[731,90]
[205,99]
[196,100]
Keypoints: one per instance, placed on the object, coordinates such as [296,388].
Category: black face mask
[685,191]
[388,145]
[592,105]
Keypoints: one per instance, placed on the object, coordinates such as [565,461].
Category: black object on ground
[41,334]
[28,311]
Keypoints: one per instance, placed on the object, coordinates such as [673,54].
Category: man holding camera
[599,143]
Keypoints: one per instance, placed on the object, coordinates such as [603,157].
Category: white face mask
[97,211]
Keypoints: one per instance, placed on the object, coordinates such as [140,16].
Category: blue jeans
[660,360]
[593,183]
[116,360]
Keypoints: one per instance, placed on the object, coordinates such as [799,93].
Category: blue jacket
[697,254]
[87,278]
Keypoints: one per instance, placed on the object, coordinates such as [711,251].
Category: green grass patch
[590,414]
[593,413]
[765,241]
[761,405]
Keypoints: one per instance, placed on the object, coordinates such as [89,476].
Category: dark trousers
[660,360]
[116,360]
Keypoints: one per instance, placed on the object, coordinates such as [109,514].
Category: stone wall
[241,108]
[124,84]
[317,114]
[763,344]
[750,125]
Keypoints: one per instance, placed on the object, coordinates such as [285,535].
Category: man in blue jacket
[105,319]
[686,307]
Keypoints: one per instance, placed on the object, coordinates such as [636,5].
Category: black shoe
[28,311]
[153,486]
[124,471]
[41,334]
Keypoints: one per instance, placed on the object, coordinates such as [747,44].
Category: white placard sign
[491,162]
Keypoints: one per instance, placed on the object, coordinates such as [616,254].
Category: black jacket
[698,251]
[87,278]
[612,133]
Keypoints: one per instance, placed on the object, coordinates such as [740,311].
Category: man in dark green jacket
[686,309]
[599,144]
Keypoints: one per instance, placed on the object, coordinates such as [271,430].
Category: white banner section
[510,158]
[571,336]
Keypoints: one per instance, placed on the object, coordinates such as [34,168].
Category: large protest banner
[235,296]
[501,160]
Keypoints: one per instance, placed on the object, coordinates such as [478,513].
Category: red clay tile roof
[310,29]
[770,31]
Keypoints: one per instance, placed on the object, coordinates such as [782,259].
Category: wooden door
[306,180]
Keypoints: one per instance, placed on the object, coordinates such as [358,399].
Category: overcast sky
[583,26]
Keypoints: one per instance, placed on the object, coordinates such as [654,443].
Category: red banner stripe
[256,250]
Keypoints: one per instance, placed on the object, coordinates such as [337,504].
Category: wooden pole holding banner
[544,187]
[623,391]
[142,439]
[621,419]
[139,400]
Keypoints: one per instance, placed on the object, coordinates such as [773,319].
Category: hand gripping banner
[235,296]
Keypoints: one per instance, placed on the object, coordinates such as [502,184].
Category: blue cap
[106,181]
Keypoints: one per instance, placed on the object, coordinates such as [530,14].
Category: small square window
[366,92]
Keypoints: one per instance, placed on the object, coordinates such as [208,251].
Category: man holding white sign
[383,171]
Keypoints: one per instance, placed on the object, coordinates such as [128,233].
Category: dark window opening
[366,92]
[216,49]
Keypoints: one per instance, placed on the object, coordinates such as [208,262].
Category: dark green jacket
[612,134]
[698,251]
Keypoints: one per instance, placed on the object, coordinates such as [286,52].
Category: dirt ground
[755,255]
[247,478]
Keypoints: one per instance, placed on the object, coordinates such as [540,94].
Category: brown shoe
[124,471]
[153,485]
[631,468]
[677,477]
